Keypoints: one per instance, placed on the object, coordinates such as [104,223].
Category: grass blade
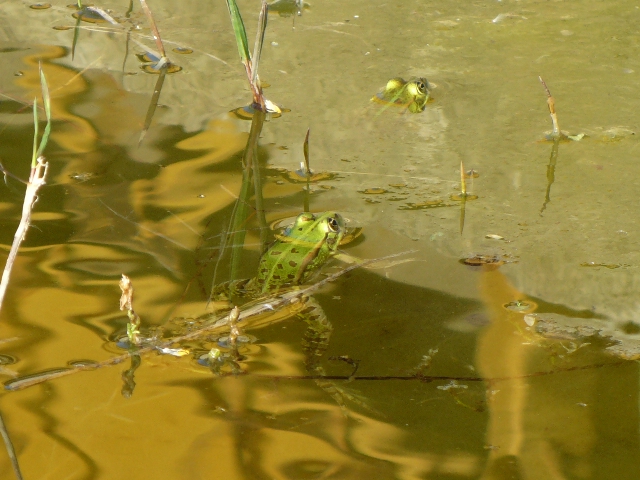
[307,165]
[239,31]
[46,99]
[154,28]
[257,47]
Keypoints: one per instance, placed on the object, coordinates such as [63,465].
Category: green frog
[290,261]
[295,255]
[413,94]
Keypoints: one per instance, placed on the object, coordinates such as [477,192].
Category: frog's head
[413,94]
[324,230]
[418,90]
[303,248]
[418,87]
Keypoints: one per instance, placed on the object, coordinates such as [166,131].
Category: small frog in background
[413,94]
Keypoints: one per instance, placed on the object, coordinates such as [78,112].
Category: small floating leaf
[183,50]
[176,352]
[154,69]
[577,137]
[247,112]
[88,16]
[40,6]
[521,306]
[480,260]
[459,197]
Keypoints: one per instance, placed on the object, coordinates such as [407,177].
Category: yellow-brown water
[539,392]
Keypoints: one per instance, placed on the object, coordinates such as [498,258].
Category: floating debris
[154,69]
[530,320]
[452,385]
[176,352]
[426,205]
[7,360]
[505,16]
[480,260]
[458,197]
[89,364]
[247,112]
[183,50]
[521,306]
[62,27]
[373,191]
[606,265]
[492,236]
[88,16]
[40,6]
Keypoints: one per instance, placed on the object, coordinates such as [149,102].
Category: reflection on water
[501,351]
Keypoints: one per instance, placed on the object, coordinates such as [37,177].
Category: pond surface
[502,346]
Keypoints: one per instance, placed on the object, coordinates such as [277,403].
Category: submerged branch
[216,322]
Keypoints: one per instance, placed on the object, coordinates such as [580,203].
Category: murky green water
[531,371]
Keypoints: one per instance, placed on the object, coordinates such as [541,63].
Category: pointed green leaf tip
[239,31]
[46,98]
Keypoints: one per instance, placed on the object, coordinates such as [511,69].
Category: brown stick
[552,109]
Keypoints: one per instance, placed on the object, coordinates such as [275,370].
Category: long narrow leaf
[257,47]
[154,27]
[239,31]
[46,99]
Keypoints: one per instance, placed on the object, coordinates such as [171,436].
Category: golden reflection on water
[537,422]
[112,206]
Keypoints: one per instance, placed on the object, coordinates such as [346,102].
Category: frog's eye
[422,88]
[333,224]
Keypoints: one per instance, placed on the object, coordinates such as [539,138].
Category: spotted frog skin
[301,250]
[413,94]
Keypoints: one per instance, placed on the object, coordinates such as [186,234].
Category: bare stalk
[552,109]
[36,180]
[154,30]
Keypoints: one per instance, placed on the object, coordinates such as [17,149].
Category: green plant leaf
[46,99]
[239,31]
